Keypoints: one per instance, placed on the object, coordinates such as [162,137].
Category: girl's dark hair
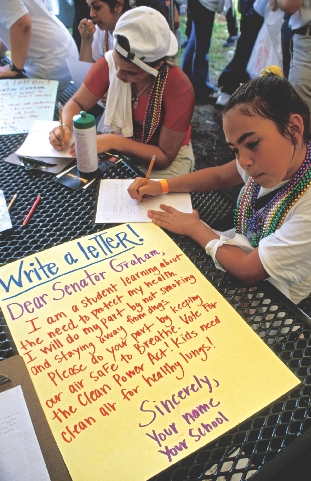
[112,5]
[272,97]
[124,43]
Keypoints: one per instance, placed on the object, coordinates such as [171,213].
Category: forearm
[86,51]
[243,265]
[19,37]
[132,148]
[211,178]
[289,6]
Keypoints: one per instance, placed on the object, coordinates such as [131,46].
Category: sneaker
[231,41]
[223,99]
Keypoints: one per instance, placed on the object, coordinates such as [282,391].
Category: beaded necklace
[105,41]
[271,217]
[153,110]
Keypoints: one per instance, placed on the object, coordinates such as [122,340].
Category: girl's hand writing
[174,220]
[60,137]
[140,191]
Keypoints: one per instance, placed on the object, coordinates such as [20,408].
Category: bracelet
[13,68]
[164,186]
[211,249]
[66,125]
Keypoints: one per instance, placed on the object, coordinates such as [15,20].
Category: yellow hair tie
[272,69]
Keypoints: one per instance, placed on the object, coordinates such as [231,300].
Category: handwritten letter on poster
[137,360]
[23,101]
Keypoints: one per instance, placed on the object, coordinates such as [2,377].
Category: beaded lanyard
[105,41]
[271,217]
[153,110]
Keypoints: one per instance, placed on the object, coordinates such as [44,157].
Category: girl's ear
[296,126]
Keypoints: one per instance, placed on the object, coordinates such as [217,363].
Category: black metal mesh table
[64,215]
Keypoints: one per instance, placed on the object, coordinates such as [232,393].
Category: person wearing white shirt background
[38,41]
[300,22]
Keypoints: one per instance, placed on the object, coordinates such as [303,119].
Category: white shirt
[302,17]
[286,254]
[50,42]
[98,43]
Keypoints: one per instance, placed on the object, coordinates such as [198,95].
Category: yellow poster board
[137,360]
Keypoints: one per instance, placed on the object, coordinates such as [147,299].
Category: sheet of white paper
[115,205]
[78,70]
[37,142]
[20,455]
[24,100]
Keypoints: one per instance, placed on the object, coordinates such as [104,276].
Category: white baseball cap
[149,36]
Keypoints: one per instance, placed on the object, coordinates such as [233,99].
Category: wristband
[13,68]
[164,186]
[211,249]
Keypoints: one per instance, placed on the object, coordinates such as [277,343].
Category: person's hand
[86,29]
[58,140]
[174,220]
[7,72]
[140,191]
[273,5]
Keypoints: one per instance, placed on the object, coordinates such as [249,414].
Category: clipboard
[15,370]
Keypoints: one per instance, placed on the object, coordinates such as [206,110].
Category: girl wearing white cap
[150,103]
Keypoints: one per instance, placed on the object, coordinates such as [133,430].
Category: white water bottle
[85,142]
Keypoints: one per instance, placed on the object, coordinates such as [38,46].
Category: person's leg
[187,58]
[232,24]
[235,72]
[203,21]
[286,36]
[300,67]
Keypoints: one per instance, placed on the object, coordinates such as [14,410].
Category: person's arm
[178,105]
[245,266]
[211,178]
[87,29]
[289,6]
[83,99]
[19,37]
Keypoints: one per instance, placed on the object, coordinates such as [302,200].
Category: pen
[152,161]
[60,111]
[12,201]
[33,208]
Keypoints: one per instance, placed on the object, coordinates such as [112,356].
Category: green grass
[218,55]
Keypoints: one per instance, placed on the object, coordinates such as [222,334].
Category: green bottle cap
[83,120]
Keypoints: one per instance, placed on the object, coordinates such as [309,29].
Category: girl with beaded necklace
[150,102]
[267,126]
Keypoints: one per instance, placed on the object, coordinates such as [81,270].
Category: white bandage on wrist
[211,249]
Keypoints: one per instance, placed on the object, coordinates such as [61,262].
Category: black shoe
[231,41]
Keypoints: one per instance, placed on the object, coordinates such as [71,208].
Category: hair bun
[271,69]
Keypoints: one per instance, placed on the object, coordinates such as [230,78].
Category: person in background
[232,24]
[235,72]
[150,102]
[97,32]
[195,61]
[300,66]
[38,41]
[267,126]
